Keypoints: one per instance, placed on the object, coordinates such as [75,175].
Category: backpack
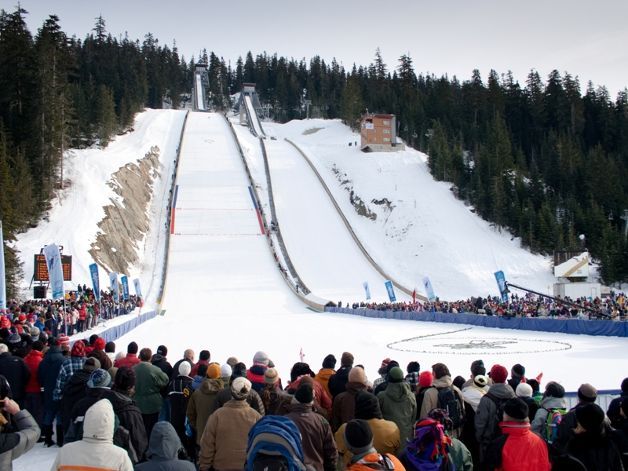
[274,444]
[448,400]
[429,448]
[552,423]
[419,400]
[499,404]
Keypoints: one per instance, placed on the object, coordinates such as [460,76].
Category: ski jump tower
[250,109]
[201,82]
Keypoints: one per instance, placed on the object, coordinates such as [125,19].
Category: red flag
[301,354]
[414,296]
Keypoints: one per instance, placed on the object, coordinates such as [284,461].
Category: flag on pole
[414,296]
[93,270]
[115,287]
[3,283]
[138,289]
[301,354]
[501,284]
[391,291]
[125,287]
[429,290]
[367,290]
[55,270]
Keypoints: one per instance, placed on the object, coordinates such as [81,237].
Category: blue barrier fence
[115,332]
[564,326]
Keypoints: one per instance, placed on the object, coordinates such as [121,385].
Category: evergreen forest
[546,160]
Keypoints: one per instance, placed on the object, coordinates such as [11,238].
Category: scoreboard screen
[41,269]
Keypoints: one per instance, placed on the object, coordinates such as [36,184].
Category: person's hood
[553,403]
[501,391]
[164,442]
[211,386]
[443,382]
[325,373]
[99,422]
[156,358]
[397,391]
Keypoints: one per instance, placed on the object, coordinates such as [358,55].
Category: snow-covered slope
[73,220]
[420,229]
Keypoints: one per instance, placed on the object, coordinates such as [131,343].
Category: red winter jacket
[130,360]
[32,360]
[523,450]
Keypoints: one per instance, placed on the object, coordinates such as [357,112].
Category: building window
[387,139]
[386,122]
[386,131]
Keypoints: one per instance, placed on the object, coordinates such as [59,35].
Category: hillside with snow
[410,223]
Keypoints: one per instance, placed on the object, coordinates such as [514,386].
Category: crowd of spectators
[107,409]
[614,306]
[78,312]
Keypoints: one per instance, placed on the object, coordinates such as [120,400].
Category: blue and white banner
[429,290]
[501,284]
[115,287]
[3,283]
[93,270]
[125,287]
[138,289]
[367,290]
[391,291]
[55,270]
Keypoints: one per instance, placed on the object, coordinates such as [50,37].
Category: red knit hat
[78,349]
[425,379]
[99,344]
[499,374]
[63,340]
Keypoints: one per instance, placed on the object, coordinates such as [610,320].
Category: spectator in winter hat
[255,373]
[594,443]
[255,401]
[486,416]
[202,403]
[517,375]
[358,438]
[203,359]
[188,357]
[614,408]
[382,372]
[524,392]
[398,403]
[385,432]
[319,448]
[459,455]
[343,407]
[553,398]
[275,400]
[225,373]
[179,393]
[130,359]
[338,381]
[521,444]
[110,350]
[322,400]
[587,394]
[323,375]
[412,378]
[473,393]
[224,440]
[160,361]
[69,366]
[105,361]
[232,361]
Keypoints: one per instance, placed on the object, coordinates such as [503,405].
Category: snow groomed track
[253,118]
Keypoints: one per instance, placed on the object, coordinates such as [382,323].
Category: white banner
[55,270]
[138,289]
[367,290]
[3,283]
[429,290]
[115,287]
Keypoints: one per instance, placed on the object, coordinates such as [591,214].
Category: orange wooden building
[378,133]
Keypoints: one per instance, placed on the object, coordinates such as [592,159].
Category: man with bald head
[188,355]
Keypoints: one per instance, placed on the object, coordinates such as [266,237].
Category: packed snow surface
[224,291]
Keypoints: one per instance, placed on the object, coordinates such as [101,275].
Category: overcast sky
[588,39]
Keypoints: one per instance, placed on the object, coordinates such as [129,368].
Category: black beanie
[590,416]
[329,361]
[413,367]
[516,408]
[358,436]
[474,368]
[238,371]
[162,350]
[304,394]
[518,370]
[367,406]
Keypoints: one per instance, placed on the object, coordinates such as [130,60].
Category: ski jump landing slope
[321,248]
[220,269]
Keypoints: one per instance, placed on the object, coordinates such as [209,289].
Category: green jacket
[398,405]
[149,380]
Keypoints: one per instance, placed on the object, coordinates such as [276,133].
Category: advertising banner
[429,290]
[501,284]
[55,271]
[367,290]
[391,291]
[115,287]
[93,270]
[125,287]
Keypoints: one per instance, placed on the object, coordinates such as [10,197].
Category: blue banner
[115,287]
[391,291]
[429,290]
[93,270]
[125,287]
[138,289]
[501,284]
[3,285]
[55,270]
[367,290]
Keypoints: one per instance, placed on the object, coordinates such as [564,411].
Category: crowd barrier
[115,332]
[563,326]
